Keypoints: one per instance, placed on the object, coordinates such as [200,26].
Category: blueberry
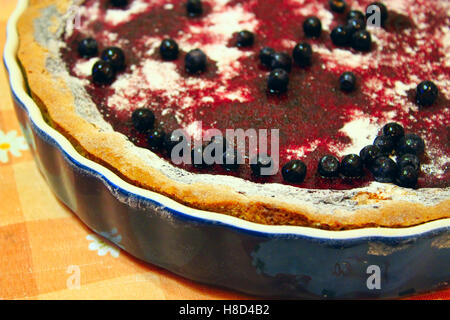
[302,54]
[143,119]
[426,93]
[369,153]
[281,60]
[294,171]
[394,130]
[119,3]
[383,10]
[354,25]
[265,55]
[169,49]
[194,8]
[195,61]
[384,169]
[312,27]
[351,166]
[328,166]
[362,40]
[231,160]
[278,81]
[155,138]
[245,38]
[385,143]
[355,14]
[338,6]
[407,177]
[88,48]
[217,143]
[198,160]
[103,73]
[409,159]
[170,141]
[115,57]
[410,143]
[347,81]
[340,36]
[262,161]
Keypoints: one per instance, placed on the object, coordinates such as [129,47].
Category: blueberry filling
[393,133]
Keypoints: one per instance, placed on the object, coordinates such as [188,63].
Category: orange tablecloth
[47,253]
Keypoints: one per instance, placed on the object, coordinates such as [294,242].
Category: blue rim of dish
[17,84]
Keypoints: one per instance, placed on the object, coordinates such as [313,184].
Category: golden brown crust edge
[107,149]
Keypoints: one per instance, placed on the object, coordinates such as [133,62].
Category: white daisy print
[11,143]
[101,246]
[29,137]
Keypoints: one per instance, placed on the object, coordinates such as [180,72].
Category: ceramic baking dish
[216,249]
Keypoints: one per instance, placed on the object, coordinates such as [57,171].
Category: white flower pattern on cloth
[101,246]
[28,134]
[11,143]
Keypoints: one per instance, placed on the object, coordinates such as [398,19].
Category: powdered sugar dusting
[302,151]
[84,68]
[362,129]
[118,16]
[155,75]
